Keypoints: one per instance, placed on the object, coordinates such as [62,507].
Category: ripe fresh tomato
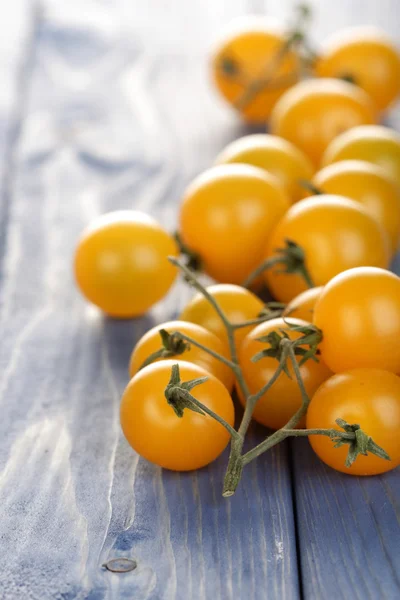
[238,304]
[121,263]
[274,154]
[373,143]
[368,184]
[226,216]
[246,54]
[335,234]
[302,306]
[368,57]
[154,430]
[368,397]
[151,342]
[283,399]
[359,314]
[314,112]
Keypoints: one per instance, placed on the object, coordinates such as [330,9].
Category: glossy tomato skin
[368,184]
[151,342]
[275,155]
[226,216]
[368,56]
[368,397]
[121,263]
[238,304]
[245,53]
[359,314]
[372,143]
[154,430]
[312,113]
[335,233]
[280,403]
[302,306]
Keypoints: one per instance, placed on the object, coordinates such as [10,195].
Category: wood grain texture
[108,106]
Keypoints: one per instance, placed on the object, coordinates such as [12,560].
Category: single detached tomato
[368,397]
[359,314]
[373,143]
[154,430]
[151,342]
[314,112]
[335,233]
[367,56]
[226,216]
[121,263]
[275,155]
[238,304]
[367,183]
[302,306]
[283,399]
[244,57]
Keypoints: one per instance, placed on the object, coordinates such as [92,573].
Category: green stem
[230,331]
[188,396]
[271,315]
[264,266]
[304,396]
[219,357]
[235,463]
[284,433]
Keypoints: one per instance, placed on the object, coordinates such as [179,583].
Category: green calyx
[305,346]
[178,395]
[360,444]
[172,345]
[293,260]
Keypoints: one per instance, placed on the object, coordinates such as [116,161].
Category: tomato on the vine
[314,112]
[373,143]
[245,54]
[359,315]
[275,155]
[226,216]
[151,342]
[121,263]
[283,399]
[154,430]
[367,56]
[335,233]
[368,397]
[368,184]
[238,304]
[302,306]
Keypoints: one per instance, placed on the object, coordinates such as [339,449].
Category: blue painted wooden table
[106,104]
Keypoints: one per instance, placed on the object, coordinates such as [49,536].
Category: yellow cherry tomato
[302,306]
[314,112]
[368,184]
[226,216]
[238,304]
[335,233]
[368,397]
[151,342]
[368,57]
[373,143]
[359,315]
[121,263]
[283,399]
[154,430]
[246,54]
[275,155]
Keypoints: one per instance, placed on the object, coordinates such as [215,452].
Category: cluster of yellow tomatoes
[327,179]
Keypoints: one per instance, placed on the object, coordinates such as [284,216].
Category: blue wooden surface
[106,104]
